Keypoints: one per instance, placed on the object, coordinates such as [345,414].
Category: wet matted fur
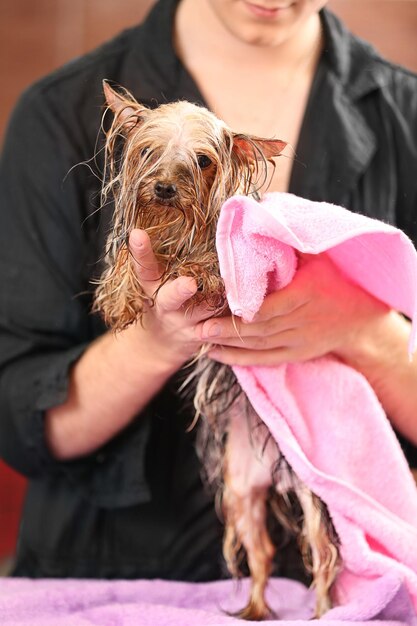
[169,170]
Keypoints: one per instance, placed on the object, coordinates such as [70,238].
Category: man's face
[264,22]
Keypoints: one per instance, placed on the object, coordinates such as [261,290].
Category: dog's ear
[256,148]
[123,105]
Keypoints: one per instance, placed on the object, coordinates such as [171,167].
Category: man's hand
[319,312]
[119,373]
[170,323]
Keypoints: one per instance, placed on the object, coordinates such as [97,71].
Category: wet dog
[169,170]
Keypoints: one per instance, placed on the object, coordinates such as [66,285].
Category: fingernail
[213,331]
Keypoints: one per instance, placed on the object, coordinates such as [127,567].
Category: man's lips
[267,12]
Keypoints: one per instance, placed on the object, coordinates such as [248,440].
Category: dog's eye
[144,151]
[203,161]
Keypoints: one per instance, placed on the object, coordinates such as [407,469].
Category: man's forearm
[381,356]
[113,380]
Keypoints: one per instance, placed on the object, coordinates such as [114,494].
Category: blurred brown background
[37,36]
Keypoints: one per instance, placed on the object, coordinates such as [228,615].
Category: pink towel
[323,414]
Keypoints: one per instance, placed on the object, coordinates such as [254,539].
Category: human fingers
[174,294]
[301,290]
[233,331]
[146,266]
[177,294]
[265,358]
[282,302]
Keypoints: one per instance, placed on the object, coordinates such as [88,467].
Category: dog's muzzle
[165,191]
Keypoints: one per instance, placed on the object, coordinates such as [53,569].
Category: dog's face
[171,159]
[175,153]
[170,169]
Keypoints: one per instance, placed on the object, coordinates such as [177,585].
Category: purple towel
[161,603]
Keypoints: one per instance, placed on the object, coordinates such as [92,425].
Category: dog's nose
[165,191]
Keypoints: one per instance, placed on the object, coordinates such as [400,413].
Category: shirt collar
[162,77]
[336,143]
[355,64]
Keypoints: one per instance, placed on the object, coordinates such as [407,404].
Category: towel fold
[323,414]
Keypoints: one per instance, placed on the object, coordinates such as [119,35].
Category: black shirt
[136,508]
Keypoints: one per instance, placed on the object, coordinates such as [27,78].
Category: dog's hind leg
[246,528]
[319,544]
[247,478]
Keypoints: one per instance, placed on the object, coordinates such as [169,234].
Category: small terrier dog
[169,171]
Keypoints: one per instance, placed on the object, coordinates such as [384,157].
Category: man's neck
[200,33]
